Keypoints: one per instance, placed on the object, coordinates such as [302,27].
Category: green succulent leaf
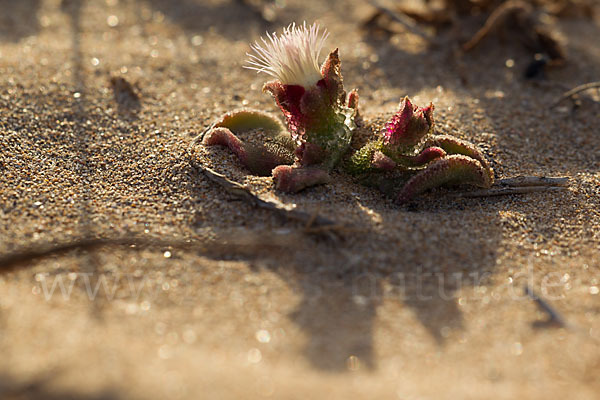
[245,120]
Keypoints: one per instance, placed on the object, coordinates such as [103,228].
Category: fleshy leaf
[318,112]
[288,99]
[451,170]
[310,114]
[353,100]
[361,161]
[291,179]
[399,123]
[429,154]
[409,125]
[382,162]
[310,154]
[454,145]
[332,78]
[245,120]
[224,137]
[259,159]
[425,156]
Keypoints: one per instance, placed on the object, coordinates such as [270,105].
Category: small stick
[533,181]
[520,185]
[576,90]
[245,194]
[404,21]
[497,17]
[554,316]
[509,190]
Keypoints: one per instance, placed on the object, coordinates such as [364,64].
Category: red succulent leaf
[260,160]
[310,154]
[424,157]
[293,179]
[353,100]
[454,145]
[399,123]
[305,109]
[429,154]
[224,137]
[332,78]
[450,170]
[382,162]
[288,98]
[316,109]
[409,124]
[422,123]
[428,114]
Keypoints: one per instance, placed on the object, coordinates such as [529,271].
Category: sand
[424,301]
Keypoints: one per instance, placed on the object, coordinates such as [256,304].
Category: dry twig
[401,19]
[497,18]
[310,221]
[508,190]
[522,18]
[533,181]
[576,90]
[519,185]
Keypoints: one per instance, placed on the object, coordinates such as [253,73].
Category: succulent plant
[410,150]
[406,159]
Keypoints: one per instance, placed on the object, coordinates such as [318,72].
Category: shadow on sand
[18,19]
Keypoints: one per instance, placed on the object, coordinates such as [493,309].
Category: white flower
[292,57]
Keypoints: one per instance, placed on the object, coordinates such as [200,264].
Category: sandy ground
[425,302]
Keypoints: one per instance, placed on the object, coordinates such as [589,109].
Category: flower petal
[292,57]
